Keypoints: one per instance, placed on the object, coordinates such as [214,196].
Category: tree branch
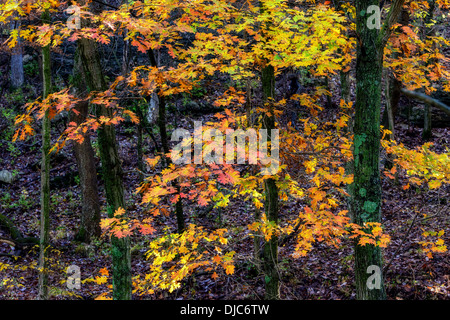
[426,99]
[392,17]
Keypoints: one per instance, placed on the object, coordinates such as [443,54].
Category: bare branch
[426,99]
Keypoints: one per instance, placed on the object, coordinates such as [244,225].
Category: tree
[111,171]
[270,247]
[45,174]
[210,40]
[17,76]
[366,188]
[84,155]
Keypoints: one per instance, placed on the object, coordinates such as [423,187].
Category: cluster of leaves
[421,165]
[175,256]
[121,226]
[62,101]
[436,245]
[416,58]
[421,63]
[370,233]
[241,39]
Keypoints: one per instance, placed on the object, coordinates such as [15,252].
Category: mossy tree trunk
[366,189]
[45,176]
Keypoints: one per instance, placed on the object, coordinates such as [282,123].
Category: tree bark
[17,77]
[427,134]
[45,176]
[111,171]
[90,207]
[394,84]
[84,155]
[366,189]
[270,248]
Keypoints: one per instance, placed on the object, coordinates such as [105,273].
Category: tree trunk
[366,190]
[84,155]
[162,122]
[165,147]
[394,84]
[111,171]
[140,152]
[45,176]
[426,134]
[270,249]
[90,207]
[345,85]
[17,77]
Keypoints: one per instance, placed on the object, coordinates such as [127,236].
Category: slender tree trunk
[16,77]
[45,176]
[395,85]
[389,111]
[270,249]
[345,85]
[111,171]
[162,124]
[140,153]
[390,117]
[328,88]
[181,226]
[427,134]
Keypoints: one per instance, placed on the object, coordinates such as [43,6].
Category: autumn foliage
[228,40]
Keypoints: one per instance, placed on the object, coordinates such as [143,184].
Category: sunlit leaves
[121,226]
[421,164]
[173,257]
[433,243]
[370,233]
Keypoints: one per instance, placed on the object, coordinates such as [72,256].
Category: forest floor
[325,273]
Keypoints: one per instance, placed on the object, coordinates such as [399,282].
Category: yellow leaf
[119,212]
[101,280]
[434,184]
[229,269]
